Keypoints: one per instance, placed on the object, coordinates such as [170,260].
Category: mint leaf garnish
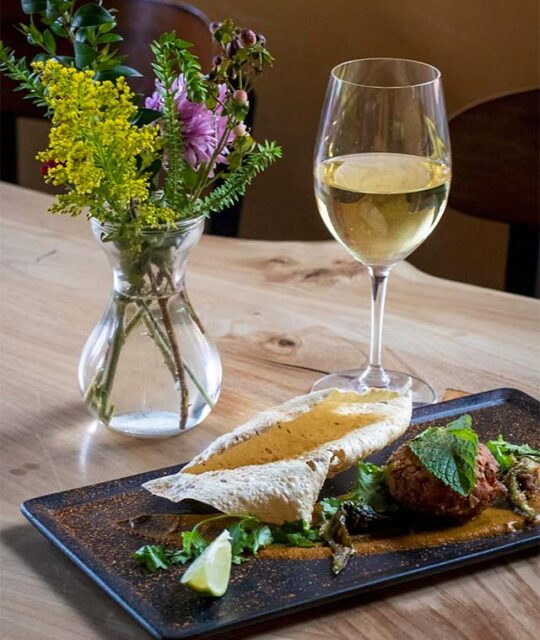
[463,422]
[450,453]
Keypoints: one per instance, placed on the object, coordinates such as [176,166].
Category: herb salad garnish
[448,453]
[507,454]
[154,557]
[370,492]
[248,534]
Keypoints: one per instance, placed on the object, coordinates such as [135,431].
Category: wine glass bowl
[382,173]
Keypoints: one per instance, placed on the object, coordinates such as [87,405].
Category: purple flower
[202,128]
[154,101]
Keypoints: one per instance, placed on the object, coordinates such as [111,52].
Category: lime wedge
[210,572]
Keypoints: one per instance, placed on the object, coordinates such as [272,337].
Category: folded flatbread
[273,467]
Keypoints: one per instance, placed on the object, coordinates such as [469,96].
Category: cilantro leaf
[371,488]
[450,454]
[248,535]
[329,506]
[295,534]
[193,543]
[299,540]
[370,492]
[259,537]
[505,453]
[178,557]
[239,537]
[152,556]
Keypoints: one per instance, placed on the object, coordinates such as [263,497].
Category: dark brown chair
[496,176]
[141,21]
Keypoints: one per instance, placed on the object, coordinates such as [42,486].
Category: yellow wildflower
[94,149]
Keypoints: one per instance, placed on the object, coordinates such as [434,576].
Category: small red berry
[50,164]
[248,37]
[240,96]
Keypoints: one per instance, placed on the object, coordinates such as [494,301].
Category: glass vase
[148,368]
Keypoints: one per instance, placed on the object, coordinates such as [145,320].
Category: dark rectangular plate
[79,521]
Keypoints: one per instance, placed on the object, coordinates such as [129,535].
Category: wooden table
[281,314]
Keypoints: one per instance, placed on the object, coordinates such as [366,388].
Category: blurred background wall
[484,48]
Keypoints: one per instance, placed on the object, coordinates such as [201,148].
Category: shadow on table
[108,620]
[77,440]
[64,579]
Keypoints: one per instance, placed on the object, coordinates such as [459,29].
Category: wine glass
[382,176]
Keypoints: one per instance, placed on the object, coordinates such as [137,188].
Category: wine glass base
[422,392]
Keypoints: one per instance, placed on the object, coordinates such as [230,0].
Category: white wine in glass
[382,176]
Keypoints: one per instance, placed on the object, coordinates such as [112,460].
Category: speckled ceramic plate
[80,523]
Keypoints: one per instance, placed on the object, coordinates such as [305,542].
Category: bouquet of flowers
[140,166]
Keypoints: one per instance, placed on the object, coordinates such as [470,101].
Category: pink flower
[202,128]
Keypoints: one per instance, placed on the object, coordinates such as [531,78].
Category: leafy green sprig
[369,492]
[18,70]
[296,534]
[154,557]
[168,52]
[237,181]
[248,534]
[507,454]
[87,27]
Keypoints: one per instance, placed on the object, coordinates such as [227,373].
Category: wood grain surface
[281,314]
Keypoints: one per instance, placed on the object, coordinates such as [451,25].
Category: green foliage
[154,557]
[236,183]
[88,28]
[369,491]
[193,543]
[116,71]
[18,70]
[450,453]
[176,190]
[296,534]
[247,536]
[507,454]
[91,15]
[34,6]
[172,57]
[371,488]
[330,506]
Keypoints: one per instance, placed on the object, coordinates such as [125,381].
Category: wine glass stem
[375,375]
